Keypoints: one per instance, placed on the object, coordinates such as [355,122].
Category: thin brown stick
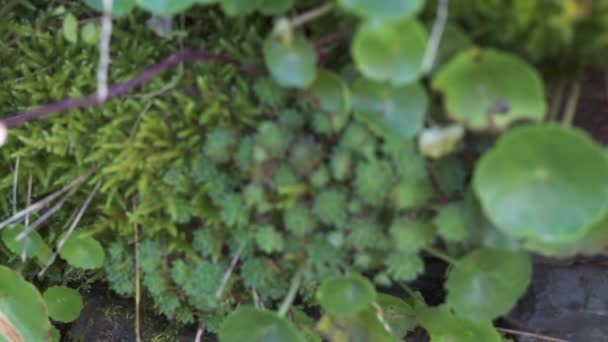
[310,15]
[137,285]
[571,104]
[26,242]
[235,259]
[529,334]
[91,100]
[333,37]
[200,333]
[45,201]
[104,51]
[435,40]
[45,216]
[15,184]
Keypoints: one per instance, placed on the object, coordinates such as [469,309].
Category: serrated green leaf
[545,183]
[395,112]
[383,9]
[64,303]
[390,50]
[83,251]
[269,240]
[23,315]
[347,295]
[490,89]
[333,96]
[292,64]
[119,7]
[405,266]
[255,325]
[487,283]
[452,223]
[410,236]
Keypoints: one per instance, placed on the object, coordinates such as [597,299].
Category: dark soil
[567,301]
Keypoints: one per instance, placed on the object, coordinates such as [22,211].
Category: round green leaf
[487,283]
[55,335]
[83,251]
[388,110]
[64,304]
[292,64]
[592,243]
[442,325]
[275,7]
[490,89]
[119,7]
[165,7]
[331,92]
[544,183]
[364,326]
[452,222]
[255,325]
[390,51]
[382,9]
[36,247]
[23,315]
[346,295]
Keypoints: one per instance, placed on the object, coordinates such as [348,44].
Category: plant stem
[137,285]
[572,103]
[15,184]
[529,334]
[235,259]
[440,255]
[311,15]
[45,201]
[291,295]
[435,40]
[27,219]
[104,51]
[556,101]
